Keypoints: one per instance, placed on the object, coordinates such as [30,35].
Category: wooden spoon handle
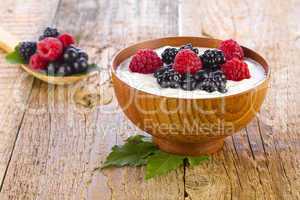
[7,41]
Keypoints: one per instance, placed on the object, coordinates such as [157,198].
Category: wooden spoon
[8,43]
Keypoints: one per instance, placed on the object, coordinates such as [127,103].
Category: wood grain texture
[60,145]
[262,161]
[23,20]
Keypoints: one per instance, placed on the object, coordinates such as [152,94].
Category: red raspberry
[145,61]
[67,39]
[236,70]
[231,49]
[50,48]
[37,62]
[187,61]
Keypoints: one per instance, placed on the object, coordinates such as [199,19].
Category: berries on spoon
[53,67]
[64,70]
[26,50]
[49,32]
[66,39]
[80,65]
[70,55]
[83,54]
[37,62]
[50,48]
[55,54]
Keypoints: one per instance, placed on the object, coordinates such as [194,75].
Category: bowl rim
[114,66]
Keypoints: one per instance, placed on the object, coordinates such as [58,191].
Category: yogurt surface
[147,82]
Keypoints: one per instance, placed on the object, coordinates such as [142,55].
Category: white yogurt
[147,82]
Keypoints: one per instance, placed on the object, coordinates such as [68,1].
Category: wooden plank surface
[23,20]
[53,146]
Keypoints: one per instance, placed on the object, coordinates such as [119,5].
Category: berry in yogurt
[192,72]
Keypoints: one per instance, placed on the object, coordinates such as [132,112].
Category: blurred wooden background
[49,146]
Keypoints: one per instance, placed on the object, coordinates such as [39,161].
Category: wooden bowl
[188,126]
[8,43]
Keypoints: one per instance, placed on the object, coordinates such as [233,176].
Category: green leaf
[77,38]
[14,57]
[139,138]
[93,66]
[139,150]
[131,153]
[162,163]
[193,161]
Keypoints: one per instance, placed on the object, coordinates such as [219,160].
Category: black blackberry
[80,65]
[59,68]
[163,70]
[189,46]
[65,70]
[159,72]
[189,85]
[174,77]
[168,78]
[70,55]
[219,76]
[49,32]
[174,80]
[174,84]
[163,83]
[26,50]
[201,75]
[188,82]
[211,81]
[187,76]
[74,47]
[53,67]
[212,59]
[168,55]
[83,54]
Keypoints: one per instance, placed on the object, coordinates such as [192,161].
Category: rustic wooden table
[50,146]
